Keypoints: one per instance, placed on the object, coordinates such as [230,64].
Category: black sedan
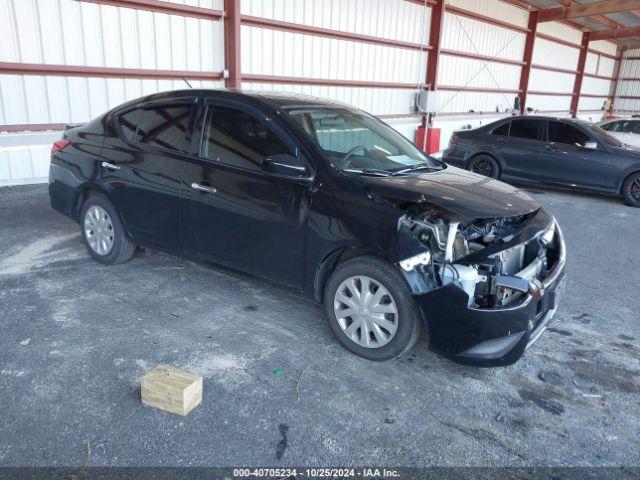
[550,151]
[327,200]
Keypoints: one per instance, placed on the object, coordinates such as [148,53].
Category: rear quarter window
[128,123]
[502,129]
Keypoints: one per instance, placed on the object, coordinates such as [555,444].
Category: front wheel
[631,190]
[370,309]
[484,165]
[103,232]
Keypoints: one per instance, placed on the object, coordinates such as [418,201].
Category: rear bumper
[453,156]
[497,336]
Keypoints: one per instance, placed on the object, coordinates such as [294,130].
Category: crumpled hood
[463,194]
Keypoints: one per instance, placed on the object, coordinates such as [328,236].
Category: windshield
[603,135]
[357,142]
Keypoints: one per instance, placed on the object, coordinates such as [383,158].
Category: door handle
[203,188]
[110,166]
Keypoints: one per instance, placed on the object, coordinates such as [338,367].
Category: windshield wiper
[416,167]
[369,171]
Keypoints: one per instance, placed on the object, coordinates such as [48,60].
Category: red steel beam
[105,72]
[325,32]
[32,127]
[475,56]
[557,40]
[325,82]
[554,69]
[577,85]
[587,10]
[546,93]
[232,48]
[600,77]
[483,18]
[527,58]
[456,88]
[616,33]
[163,7]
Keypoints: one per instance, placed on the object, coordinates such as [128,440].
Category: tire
[484,165]
[631,190]
[407,319]
[117,246]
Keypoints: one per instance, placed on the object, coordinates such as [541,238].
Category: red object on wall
[430,142]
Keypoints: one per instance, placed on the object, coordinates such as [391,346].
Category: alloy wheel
[634,188]
[482,166]
[366,311]
[98,230]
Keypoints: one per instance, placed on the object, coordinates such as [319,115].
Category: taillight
[59,145]
[453,140]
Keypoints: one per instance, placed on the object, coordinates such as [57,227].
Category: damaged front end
[487,288]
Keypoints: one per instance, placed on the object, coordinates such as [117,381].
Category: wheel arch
[634,171]
[331,261]
[85,192]
[488,154]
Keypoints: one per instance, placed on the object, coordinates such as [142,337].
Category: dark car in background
[325,199]
[549,151]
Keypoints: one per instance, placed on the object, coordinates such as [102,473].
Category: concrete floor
[76,336]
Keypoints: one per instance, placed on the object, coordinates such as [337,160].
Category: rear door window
[164,126]
[561,132]
[525,128]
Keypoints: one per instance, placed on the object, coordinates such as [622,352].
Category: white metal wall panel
[495,9]
[378,101]
[590,104]
[604,46]
[74,99]
[393,19]
[106,36]
[546,80]
[473,36]
[596,86]
[629,69]
[558,30]
[549,103]
[473,101]
[272,52]
[553,54]
[24,164]
[477,73]
[599,65]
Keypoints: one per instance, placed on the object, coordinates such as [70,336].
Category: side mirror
[285,166]
[590,145]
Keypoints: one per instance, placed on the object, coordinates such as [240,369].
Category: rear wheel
[103,232]
[370,309]
[631,190]
[484,165]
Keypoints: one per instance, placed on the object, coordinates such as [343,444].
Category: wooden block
[170,389]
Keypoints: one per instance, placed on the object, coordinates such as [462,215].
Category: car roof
[547,117]
[274,98]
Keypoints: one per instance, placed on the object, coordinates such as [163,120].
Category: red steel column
[525,73]
[577,86]
[232,43]
[435,37]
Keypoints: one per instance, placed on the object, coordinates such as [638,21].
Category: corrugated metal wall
[629,84]
[106,36]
